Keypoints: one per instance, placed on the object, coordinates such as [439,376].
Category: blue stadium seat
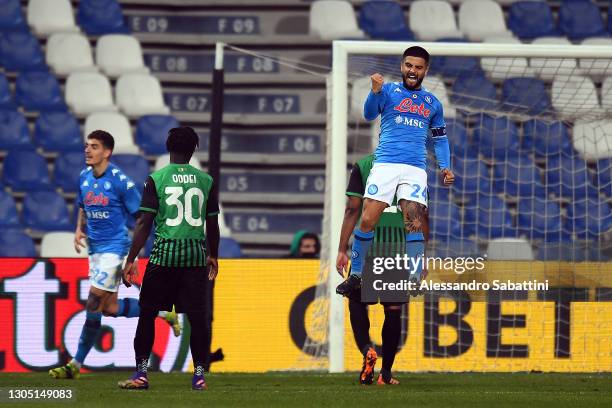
[475,92]
[496,136]
[152,132]
[229,248]
[39,91]
[488,217]
[541,219]
[603,177]
[134,166]
[11,16]
[518,176]
[588,219]
[384,20]
[6,97]
[444,220]
[531,19]
[45,211]
[581,19]
[568,177]
[26,170]
[525,96]
[14,243]
[455,66]
[471,178]
[458,139]
[14,132]
[98,17]
[546,138]
[20,51]
[8,211]
[58,132]
[68,167]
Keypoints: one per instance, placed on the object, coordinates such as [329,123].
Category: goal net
[530,130]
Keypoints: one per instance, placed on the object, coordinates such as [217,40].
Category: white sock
[76,363]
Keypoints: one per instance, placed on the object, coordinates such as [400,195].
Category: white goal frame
[338,139]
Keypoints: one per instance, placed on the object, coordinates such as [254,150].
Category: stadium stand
[471,178]
[58,132]
[229,248]
[118,54]
[540,219]
[67,171]
[14,243]
[134,166]
[69,52]
[592,139]
[89,92]
[552,68]
[525,96]
[20,51]
[488,217]
[546,138]
[384,20]
[581,19]
[11,15]
[518,176]
[14,132]
[25,170]
[60,245]
[496,136]
[140,94]
[152,131]
[479,19]
[333,20]
[445,220]
[531,19]
[8,211]
[99,17]
[117,125]
[474,93]
[51,16]
[39,91]
[594,67]
[45,211]
[502,68]
[423,12]
[6,96]
[575,97]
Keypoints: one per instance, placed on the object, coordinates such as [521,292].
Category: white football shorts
[387,180]
[105,271]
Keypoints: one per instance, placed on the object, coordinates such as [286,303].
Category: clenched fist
[377,82]
[448,177]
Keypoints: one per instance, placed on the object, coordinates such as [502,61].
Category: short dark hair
[104,137]
[182,140]
[416,51]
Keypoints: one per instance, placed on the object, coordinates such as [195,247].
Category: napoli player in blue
[409,114]
[106,197]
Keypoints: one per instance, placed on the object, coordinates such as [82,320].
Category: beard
[417,85]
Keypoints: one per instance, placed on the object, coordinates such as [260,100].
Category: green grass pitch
[330,390]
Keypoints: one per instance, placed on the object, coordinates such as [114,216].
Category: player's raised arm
[376,99]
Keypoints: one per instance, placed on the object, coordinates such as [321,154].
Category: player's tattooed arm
[415,218]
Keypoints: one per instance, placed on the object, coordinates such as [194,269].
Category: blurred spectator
[305,245]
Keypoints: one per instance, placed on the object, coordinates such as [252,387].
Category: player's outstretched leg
[199,348]
[360,323]
[143,343]
[415,221]
[391,333]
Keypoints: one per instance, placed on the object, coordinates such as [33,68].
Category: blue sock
[89,334]
[128,307]
[361,245]
[415,249]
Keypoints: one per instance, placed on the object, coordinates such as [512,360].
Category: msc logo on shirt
[399,119]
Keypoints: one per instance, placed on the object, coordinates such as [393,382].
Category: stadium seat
[444,220]
[51,16]
[569,178]
[69,52]
[606,95]
[20,51]
[384,20]
[88,92]
[581,19]
[453,248]
[60,245]
[26,170]
[471,178]
[505,67]
[134,166]
[474,94]
[140,94]
[333,20]
[39,91]
[164,159]
[99,17]
[546,138]
[479,19]
[575,97]
[152,132]
[6,97]
[229,248]
[518,176]
[488,217]
[11,16]
[596,67]
[552,68]
[435,85]
[360,89]
[531,19]
[454,67]
[117,125]
[67,169]
[8,211]
[509,249]
[570,252]
[58,132]
[540,219]
[424,12]
[14,243]
[496,136]
[603,176]
[593,138]
[458,140]
[118,54]
[525,96]
[588,219]
[14,132]
[45,211]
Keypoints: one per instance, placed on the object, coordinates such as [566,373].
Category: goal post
[338,139]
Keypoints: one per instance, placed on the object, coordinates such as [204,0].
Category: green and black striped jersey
[181,197]
[389,235]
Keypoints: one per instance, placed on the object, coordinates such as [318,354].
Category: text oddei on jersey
[184,178]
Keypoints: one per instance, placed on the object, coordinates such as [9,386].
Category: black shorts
[183,287]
